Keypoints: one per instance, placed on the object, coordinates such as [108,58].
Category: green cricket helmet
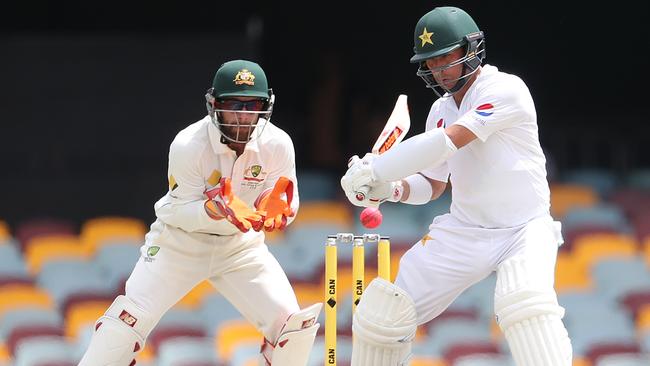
[233,80]
[443,30]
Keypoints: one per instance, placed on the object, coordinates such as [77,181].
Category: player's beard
[240,133]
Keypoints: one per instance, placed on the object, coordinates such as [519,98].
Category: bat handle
[362,192]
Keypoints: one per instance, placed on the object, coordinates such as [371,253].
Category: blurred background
[93,93]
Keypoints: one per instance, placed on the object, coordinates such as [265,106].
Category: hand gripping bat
[396,127]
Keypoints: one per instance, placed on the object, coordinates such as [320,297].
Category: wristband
[420,190]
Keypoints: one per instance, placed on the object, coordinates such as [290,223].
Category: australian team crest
[244,77]
[254,175]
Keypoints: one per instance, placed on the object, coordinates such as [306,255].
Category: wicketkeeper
[232,176]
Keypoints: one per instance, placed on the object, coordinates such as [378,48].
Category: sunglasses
[238,105]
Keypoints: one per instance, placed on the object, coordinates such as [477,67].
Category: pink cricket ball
[370,217]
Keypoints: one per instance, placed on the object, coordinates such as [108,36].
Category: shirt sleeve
[183,206]
[439,173]
[497,107]
[285,166]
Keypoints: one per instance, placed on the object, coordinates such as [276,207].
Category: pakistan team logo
[151,252]
[256,170]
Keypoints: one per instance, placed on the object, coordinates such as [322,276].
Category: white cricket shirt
[197,160]
[499,179]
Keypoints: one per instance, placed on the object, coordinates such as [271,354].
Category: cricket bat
[396,127]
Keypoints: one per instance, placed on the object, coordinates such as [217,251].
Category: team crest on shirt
[254,175]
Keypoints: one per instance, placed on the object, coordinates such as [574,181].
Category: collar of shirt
[219,148]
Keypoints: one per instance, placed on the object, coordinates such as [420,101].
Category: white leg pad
[296,339]
[530,318]
[119,335]
[383,326]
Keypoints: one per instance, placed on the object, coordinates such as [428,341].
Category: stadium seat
[616,277]
[20,297]
[233,332]
[185,351]
[567,196]
[569,276]
[97,231]
[5,358]
[45,248]
[641,225]
[178,316]
[590,249]
[45,350]
[5,234]
[161,334]
[633,201]
[485,359]
[324,212]
[602,214]
[643,319]
[28,316]
[447,332]
[12,263]
[22,333]
[427,361]
[83,314]
[479,297]
[603,181]
[464,349]
[571,235]
[585,325]
[62,278]
[624,359]
[29,229]
[595,352]
[116,260]
[646,251]
[307,292]
[246,353]
[343,351]
[194,298]
[216,310]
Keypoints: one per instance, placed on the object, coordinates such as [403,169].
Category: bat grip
[362,192]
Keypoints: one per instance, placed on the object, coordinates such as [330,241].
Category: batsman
[232,177]
[482,136]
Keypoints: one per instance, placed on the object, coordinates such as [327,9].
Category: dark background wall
[92,93]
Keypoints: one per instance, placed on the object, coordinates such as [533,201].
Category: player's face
[238,115]
[447,76]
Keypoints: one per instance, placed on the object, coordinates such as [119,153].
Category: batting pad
[383,326]
[119,335]
[530,318]
[296,339]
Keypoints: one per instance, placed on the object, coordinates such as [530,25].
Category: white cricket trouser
[436,271]
[240,267]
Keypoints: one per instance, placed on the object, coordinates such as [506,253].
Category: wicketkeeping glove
[222,203]
[274,208]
